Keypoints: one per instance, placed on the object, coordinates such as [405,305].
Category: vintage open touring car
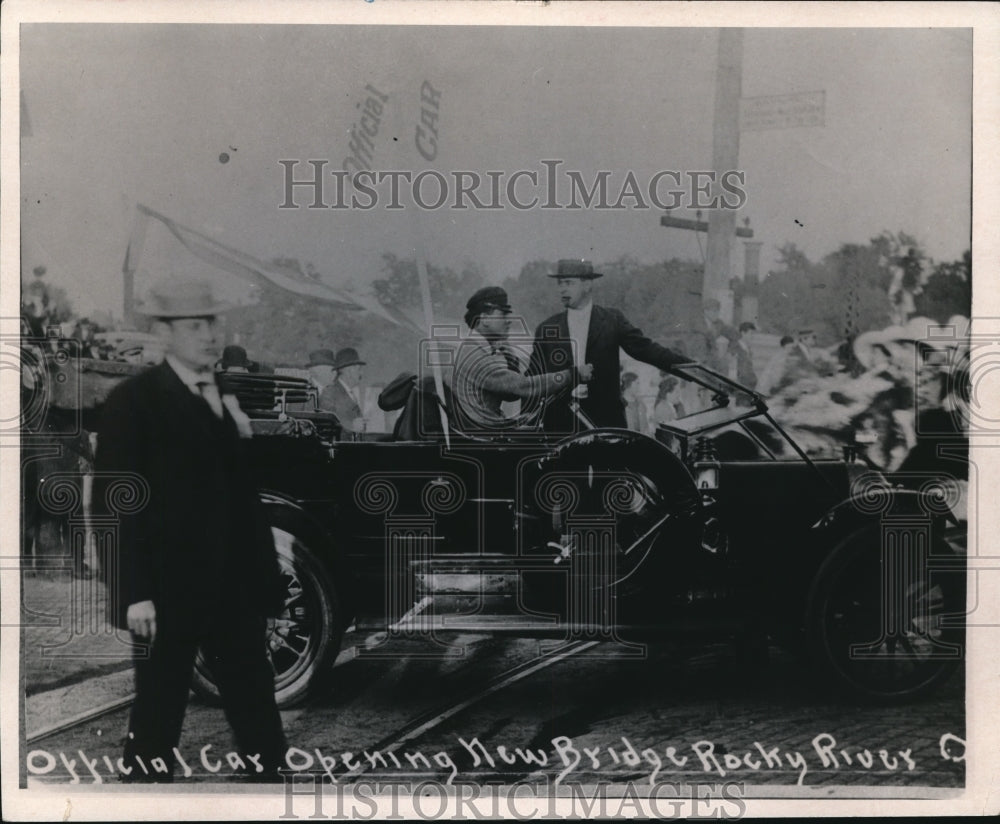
[717,528]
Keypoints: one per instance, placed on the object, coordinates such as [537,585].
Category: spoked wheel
[886,623]
[303,641]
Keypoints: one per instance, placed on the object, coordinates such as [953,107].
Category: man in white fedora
[194,565]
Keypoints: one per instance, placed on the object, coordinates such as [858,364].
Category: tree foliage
[282,328]
[948,290]
[449,290]
[848,291]
[663,299]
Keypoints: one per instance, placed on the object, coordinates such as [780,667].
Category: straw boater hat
[922,330]
[174,298]
[864,344]
[575,268]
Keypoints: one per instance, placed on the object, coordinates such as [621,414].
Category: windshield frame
[723,387]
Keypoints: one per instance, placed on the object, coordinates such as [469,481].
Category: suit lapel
[195,411]
[594,332]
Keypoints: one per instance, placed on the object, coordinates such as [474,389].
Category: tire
[303,641]
[881,649]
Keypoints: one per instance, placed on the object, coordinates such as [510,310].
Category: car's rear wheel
[302,642]
[886,625]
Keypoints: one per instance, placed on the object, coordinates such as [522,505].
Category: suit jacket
[335,398]
[609,330]
[201,540]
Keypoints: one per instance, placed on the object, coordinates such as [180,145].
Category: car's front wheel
[885,618]
[302,642]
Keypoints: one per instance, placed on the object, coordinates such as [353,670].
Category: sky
[126,114]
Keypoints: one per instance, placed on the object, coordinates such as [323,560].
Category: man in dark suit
[195,566]
[587,333]
[342,395]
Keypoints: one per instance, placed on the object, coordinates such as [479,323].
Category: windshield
[710,400]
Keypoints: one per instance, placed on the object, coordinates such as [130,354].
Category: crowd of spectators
[898,393]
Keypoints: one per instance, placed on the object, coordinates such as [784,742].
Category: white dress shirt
[578,321]
[352,392]
[203,385]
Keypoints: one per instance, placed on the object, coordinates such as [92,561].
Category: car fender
[283,508]
[874,503]
[273,500]
[622,448]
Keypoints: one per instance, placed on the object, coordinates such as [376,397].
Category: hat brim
[350,363]
[591,276]
[201,312]
[319,363]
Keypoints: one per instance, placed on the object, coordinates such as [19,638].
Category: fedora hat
[321,357]
[174,298]
[575,268]
[347,357]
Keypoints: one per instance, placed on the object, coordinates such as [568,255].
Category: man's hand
[141,617]
[586,372]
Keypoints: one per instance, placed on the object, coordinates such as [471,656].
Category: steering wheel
[536,417]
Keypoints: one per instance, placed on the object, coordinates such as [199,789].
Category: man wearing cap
[586,332]
[342,396]
[195,564]
[487,373]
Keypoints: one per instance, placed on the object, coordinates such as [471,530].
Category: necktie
[210,392]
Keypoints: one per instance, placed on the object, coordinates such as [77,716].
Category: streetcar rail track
[428,721]
[80,719]
[413,729]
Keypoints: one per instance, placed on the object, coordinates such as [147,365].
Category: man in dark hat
[343,395]
[195,564]
[234,359]
[320,368]
[587,333]
[487,373]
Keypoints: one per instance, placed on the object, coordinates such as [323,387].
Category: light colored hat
[173,298]
[864,344]
[575,268]
[919,329]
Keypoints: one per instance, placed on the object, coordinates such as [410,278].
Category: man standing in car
[195,563]
[586,332]
[342,395]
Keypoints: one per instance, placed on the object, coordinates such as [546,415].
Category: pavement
[72,660]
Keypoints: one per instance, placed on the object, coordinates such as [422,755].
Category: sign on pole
[782,111]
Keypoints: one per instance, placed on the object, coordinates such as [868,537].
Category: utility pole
[725,157]
[751,281]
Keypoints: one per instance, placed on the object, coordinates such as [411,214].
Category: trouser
[233,647]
